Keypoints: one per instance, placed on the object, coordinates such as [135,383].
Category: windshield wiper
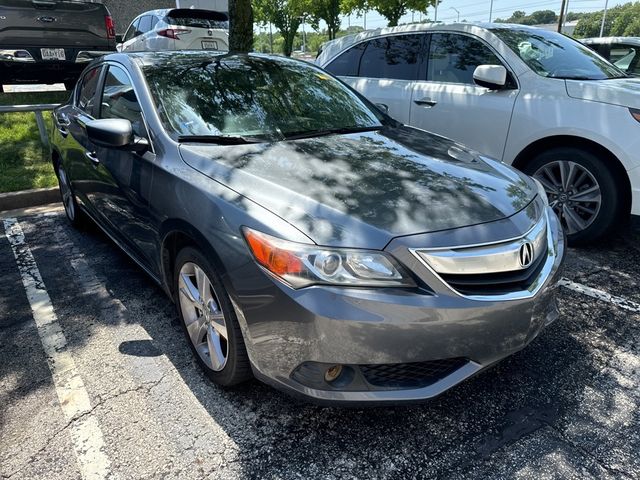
[331,131]
[219,139]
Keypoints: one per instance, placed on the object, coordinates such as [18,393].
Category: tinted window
[550,54]
[453,58]
[347,64]
[626,57]
[120,101]
[392,57]
[132,31]
[87,91]
[198,18]
[154,20]
[236,95]
[145,24]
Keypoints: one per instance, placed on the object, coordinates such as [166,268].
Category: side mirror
[493,77]
[119,47]
[115,133]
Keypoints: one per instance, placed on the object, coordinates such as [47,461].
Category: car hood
[363,189]
[624,92]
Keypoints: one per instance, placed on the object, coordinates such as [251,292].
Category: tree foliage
[286,15]
[621,21]
[392,10]
[539,17]
[329,11]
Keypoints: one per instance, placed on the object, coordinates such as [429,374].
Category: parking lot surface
[103,385]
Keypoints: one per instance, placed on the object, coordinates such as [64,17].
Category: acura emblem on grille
[526,254]
[47,19]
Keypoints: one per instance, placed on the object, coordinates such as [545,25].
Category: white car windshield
[554,55]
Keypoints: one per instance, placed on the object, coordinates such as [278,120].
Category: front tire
[582,191]
[209,320]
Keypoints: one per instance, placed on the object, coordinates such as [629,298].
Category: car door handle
[425,102]
[61,123]
[92,156]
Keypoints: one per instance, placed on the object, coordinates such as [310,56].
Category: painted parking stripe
[86,435]
[620,302]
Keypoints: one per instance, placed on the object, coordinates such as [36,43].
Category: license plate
[52,54]
[209,45]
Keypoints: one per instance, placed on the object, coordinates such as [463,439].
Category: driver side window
[453,58]
[119,100]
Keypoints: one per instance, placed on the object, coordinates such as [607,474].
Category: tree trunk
[240,26]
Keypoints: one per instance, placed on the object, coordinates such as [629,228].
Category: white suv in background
[177,29]
[529,97]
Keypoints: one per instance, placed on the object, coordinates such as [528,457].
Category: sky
[478,10]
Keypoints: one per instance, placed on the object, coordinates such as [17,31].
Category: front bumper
[321,326]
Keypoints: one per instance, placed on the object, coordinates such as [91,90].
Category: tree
[392,10]
[622,20]
[536,18]
[286,15]
[240,26]
[329,11]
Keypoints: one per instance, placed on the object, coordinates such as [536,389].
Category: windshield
[251,96]
[553,55]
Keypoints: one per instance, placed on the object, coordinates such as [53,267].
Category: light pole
[304,37]
[604,17]
[457,11]
[435,15]
[490,11]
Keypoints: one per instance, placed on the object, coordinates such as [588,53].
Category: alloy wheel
[67,196]
[574,193]
[203,316]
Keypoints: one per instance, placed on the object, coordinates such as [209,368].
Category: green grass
[24,163]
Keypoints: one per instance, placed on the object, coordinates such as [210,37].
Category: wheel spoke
[548,171]
[574,222]
[218,323]
[204,286]
[567,172]
[215,349]
[197,330]
[548,186]
[190,290]
[589,195]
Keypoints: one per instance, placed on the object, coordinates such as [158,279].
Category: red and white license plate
[52,54]
[209,45]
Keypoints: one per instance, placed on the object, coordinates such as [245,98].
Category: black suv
[51,41]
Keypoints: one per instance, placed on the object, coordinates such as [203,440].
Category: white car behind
[532,98]
[177,29]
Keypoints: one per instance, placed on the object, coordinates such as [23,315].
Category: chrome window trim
[534,288]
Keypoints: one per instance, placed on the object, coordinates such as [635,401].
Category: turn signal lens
[635,113]
[301,265]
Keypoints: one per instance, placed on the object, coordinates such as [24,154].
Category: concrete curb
[28,198]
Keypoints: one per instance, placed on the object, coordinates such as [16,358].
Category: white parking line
[620,302]
[74,401]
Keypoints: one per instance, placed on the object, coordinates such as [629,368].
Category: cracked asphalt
[565,407]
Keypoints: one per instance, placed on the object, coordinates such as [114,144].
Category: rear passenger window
[145,25]
[347,64]
[87,91]
[395,57]
[154,20]
[626,57]
[453,58]
[119,100]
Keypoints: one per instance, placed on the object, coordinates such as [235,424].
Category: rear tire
[209,320]
[582,190]
[76,217]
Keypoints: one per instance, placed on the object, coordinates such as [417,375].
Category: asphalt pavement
[97,381]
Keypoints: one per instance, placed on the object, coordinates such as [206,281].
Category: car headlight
[301,265]
[541,191]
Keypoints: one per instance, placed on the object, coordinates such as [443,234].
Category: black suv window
[132,31]
[119,100]
[626,57]
[348,62]
[87,90]
[453,58]
[394,57]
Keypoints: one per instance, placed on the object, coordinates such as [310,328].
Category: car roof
[604,40]
[334,47]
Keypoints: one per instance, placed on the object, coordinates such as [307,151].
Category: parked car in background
[51,41]
[305,236]
[177,29]
[532,98]
[623,52]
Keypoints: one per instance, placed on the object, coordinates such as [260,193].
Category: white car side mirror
[493,77]
[119,47]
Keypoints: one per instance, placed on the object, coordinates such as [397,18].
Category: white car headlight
[301,265]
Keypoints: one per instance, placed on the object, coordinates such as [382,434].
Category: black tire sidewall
[79,219]
[233,372]
[611,198]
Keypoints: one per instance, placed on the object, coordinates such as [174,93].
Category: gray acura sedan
[306,238]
